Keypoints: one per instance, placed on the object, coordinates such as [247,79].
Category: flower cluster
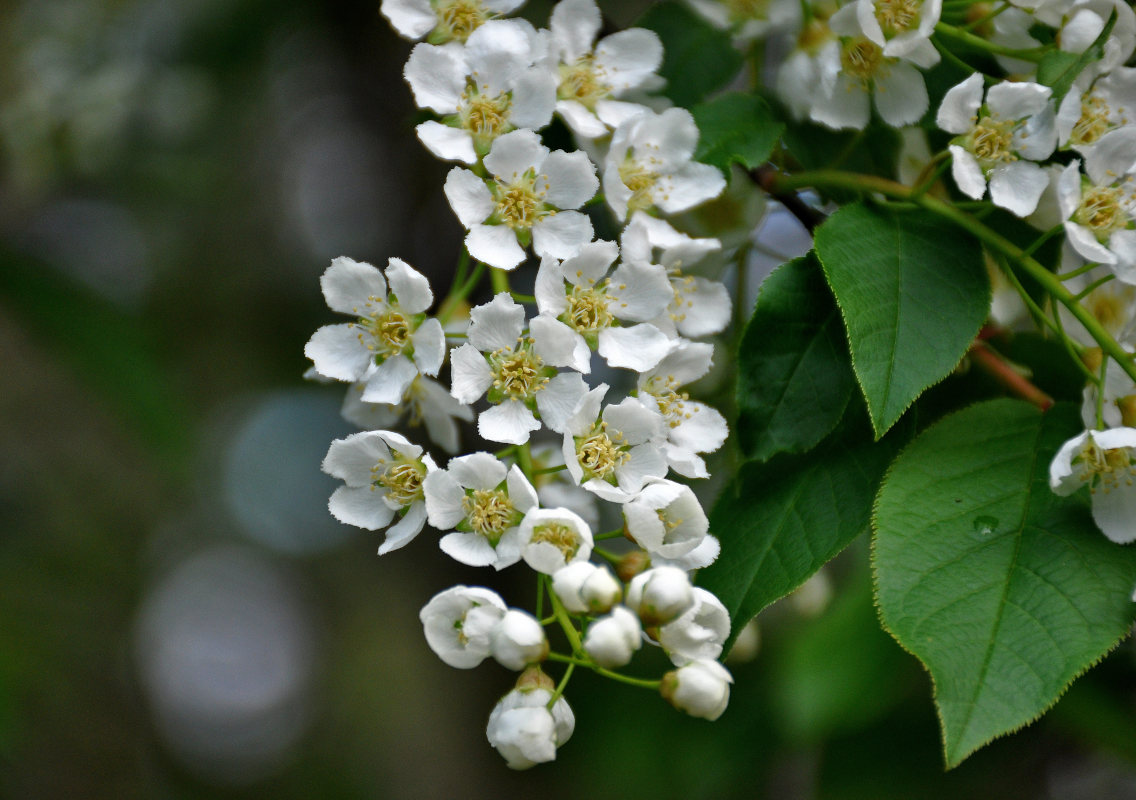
[576,451]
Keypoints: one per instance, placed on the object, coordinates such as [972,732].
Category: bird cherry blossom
[526,726]
[1105,461]
[458,623]
[424,403]
[553,538]
[700,688]
[443,21]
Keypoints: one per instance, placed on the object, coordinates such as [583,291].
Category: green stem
[1099,282]
[524,460]
[562,685]
[617,533]
[643,683]
[610,556]
[1048,281]
[1045,237]
[549,470]
[522,298]
[966,37]
[1073,273]
[970,26]
[499,280]
[458,294]
[566,623]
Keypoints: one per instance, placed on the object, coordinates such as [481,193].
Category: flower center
[992,141]
[861,58]
[897,16]
[489,512]
[519,204]
[1100,211]
[1105,469]
[1112,306]
[485,116]
[582,82]
[671,402]
[1094,122]
[600,453]
[388,328]
[587,310]
[402,479]
[457,19]
[744,10]
[518,373]
[640,181]
[560,536]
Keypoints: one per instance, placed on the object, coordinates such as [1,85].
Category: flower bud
[525,731]
[458,622]
[1127,406]
[701,689]
[612,640]
[1092,357]
[632,564]
[659,595]
[518,640]
[699,632]
[585,588]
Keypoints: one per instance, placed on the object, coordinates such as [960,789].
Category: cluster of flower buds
[574,453]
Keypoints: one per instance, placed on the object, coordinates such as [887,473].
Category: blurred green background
[179,616]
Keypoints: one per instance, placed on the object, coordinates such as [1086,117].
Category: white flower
[490,87]
[579,299]
[443,20]
[699,632]
[1099,212]
[525,731]
[1011,28]
[701,689]
[1111,303]
[1118,403]
[523,202]
[517,372]
[590,80]
[458,622]
[810,69]
[666,519]
[649,165]
[660,595]
[1106,462]
[552,538]
[1085,21]
[384,474]
[485,503]
[702,556]
[555,487]
[425,402]
[690,426]
[901,27]
[749,19]
[613,455]
[612,639]
[855,67]
[1088,113]
[999,139]
[390,342]
[518,640]
[586,588]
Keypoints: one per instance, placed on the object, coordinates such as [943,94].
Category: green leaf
[736,128]
[1058,69]
[1005,591]
[794,376]
[913,291]
[781,521]
[697,57]
[874,151]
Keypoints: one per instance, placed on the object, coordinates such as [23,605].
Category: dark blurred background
[179,615]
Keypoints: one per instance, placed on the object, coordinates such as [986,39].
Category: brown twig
[1001,371]
[765,177]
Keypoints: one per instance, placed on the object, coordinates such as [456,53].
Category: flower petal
[496,245]
[448,144]
[348,284]
[510,422]
[1018,186]
[360,506]
[469,197]
[561,235]
[337,353]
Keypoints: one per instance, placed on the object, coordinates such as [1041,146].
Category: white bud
[613,639]
[660,595]
[666,519]
[458,621]
[585,588]
[701,689]
[699,632]
[525,731]
[518,640]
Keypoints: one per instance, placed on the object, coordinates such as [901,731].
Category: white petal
[1037,138]
[585,414]
[686,362]
[613,113]
[684,461]
[1069,189]
[591,263]
[1017,100]
[444,498]
[561,235]
[703,431]
[646,462]
[411,19]
[521,493]
[1018,186]
[387,384]
[448,144]
[468,548]
[469,197]
[337,353]
[496,245]
[616,192]
[478,471]
[846,107]
[557,344]
[436,76]
[348,284]
[429,347]
[510,422]
[574,25]
[629,57]
[559,398]
[901,95]
[534,99]
[692,184]
[497,324]
[403,531]
[1086,244]
[361,506]
[633,420]
[549,288]
[639,347]
[514,153]
[967,173]
[582,121]
[572,179]
[1062,479]
[641,291]
[352,459]
[471,374]
[409,286]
